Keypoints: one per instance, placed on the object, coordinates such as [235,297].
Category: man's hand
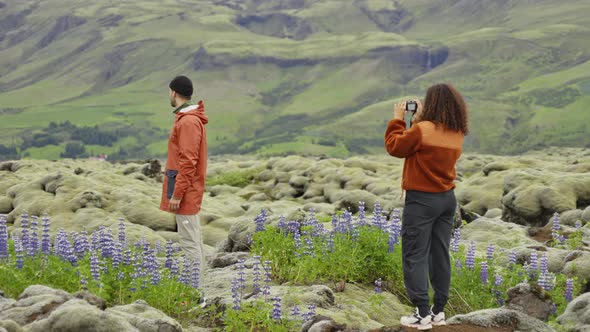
[399,111]
[174,204]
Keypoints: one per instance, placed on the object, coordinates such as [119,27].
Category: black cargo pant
[426,233]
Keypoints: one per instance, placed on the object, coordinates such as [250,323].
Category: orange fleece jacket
[431,153]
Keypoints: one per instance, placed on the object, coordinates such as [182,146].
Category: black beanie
[182,85]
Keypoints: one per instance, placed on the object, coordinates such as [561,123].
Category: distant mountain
[287,76]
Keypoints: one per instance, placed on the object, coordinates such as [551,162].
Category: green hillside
[287,76]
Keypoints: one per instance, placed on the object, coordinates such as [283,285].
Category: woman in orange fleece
[431,148]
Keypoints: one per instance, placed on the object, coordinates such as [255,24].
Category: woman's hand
[419,111]
[399,110]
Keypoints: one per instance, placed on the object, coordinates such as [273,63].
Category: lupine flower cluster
[497,283]
[484,273]
[310,314]
[490,252]
[556,228]
[3,238]
[470,259]
[455,240]
[311,234]
[569,290]
[378,284]
[102,250]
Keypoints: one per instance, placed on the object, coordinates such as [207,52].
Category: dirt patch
[540,234]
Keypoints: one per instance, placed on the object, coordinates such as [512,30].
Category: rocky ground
[507,201]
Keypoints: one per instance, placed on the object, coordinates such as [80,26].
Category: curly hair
[445,106]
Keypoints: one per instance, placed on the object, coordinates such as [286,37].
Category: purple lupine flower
[297,239]
[137,267]
[24,230]
[578,225]
[378,284]
[484,273]
[295,312]
[458,263]
[292,227]
[470,259]
[569,290]
[512,259]
[174,268]
[497,283]
[153,267]
[185,274]
[545,281]
[169,252]
[158,247]
[84,282]
[20,252]
[235,293]
[309,247]
[310,219]
[33,245]
[490,251]
[396,225]
[377,220]
[553,308]
[282,224]
[95,241]
[3,238]
[534,261]
[70,254]
[107,243]
[127,257]
[277,312]
[45,237]
[117,255]
[196,275]
[307,316]
[362,217]
[241,276]
[79,246]
[267,278]
[94,266]
[335,222]
[347,222]
[391,242]
[61,244]
[261,220]
[257,276]
[122,234]
[499,280]
[120,275]
[331,242]
[455,240]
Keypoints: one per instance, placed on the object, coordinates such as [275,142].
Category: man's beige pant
[191,242]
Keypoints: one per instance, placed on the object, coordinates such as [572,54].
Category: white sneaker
[417,322]
[438,319]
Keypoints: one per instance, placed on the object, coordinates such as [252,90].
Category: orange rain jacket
[186,167]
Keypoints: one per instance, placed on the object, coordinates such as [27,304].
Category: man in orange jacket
[186,169]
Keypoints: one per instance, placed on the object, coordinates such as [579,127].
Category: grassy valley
[289,76]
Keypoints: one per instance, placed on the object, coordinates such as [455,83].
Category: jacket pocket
[171,175]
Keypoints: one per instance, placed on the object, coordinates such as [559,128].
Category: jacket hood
[195,110]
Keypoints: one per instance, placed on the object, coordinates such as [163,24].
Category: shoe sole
[419,326]
[439,323]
